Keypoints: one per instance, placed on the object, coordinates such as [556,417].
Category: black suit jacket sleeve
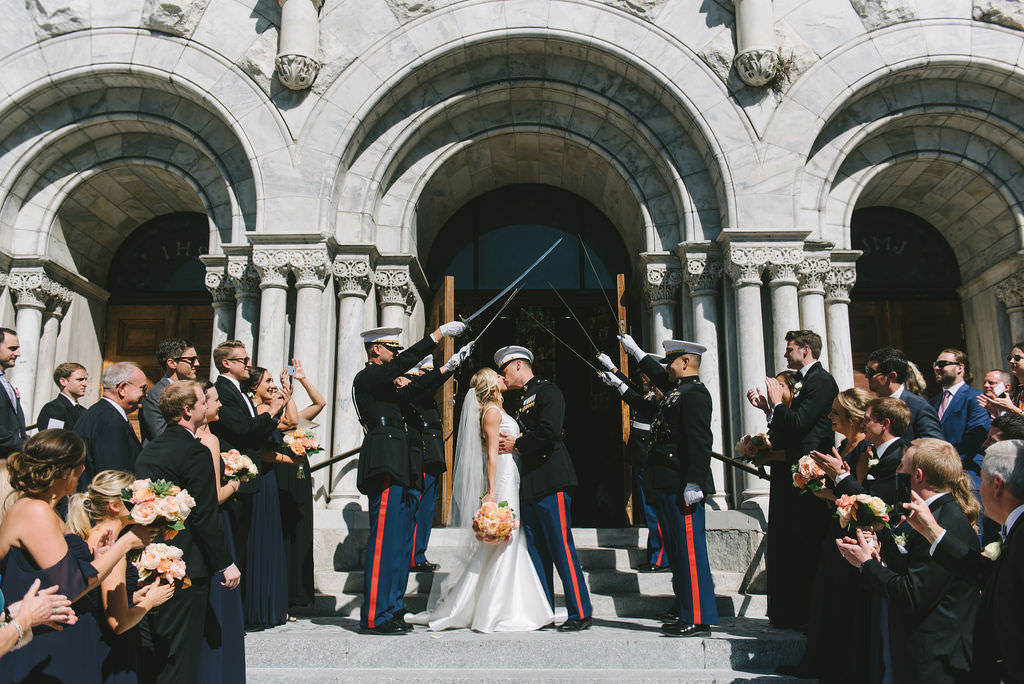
[151,418]
[957,555]
[794,425]
[52,410]
[200,481]
[550,408]
[423,385]
[12,425]
[638,402]
[924,421]
[242,430]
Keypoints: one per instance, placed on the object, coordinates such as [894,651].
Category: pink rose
[145,513]
[150,557]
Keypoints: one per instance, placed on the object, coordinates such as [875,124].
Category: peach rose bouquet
[494,522]
[808,475]
[750,446]
[302,442]
[162,561]
[862,510]
[158,502]
[238,466]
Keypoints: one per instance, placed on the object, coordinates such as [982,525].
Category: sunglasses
[1015,357]
[939,365]
[244,360]
[190,360]
[870,372]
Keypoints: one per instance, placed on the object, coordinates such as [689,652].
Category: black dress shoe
[425,566]
[389,628]
[575,625]
[670,615]
[685,629]
[651,567]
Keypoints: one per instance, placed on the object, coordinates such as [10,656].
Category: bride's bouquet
[493,523]
[862,510]
[158,502]
[162,561]
[238,466]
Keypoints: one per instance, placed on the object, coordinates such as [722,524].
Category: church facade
[855,167]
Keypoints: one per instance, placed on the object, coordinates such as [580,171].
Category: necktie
[946,396]
[1002,532]
[10,390]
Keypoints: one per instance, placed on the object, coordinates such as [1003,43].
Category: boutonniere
[17,392]
[900,539]
[872,462]
[993,550]
[797,387]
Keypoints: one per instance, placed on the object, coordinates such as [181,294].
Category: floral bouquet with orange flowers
[862,510]
[162,561]
[750,446]
[494,522]
[808,475]
[238,466]
[302,443]
[158,502]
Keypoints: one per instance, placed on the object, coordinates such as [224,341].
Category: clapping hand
[104,544]
[921,518]
[832,464]
[996,404]
[758,400]
[859,551]
[774,389]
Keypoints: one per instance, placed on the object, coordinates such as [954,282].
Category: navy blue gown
[223,653]
[266,579]
[55,656]
[118,653]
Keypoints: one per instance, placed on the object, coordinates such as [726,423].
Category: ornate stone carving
[811,273]
[220,287]
[756,67]
[244,278]
[297,72]
[1011,292]
[352,275]
[34,289]
[703,272]
[746,264]
[273,266]
[662,284]
[393,285]
[782,273]
[839,281]
[309,267]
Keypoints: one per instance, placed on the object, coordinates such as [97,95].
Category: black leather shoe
[684,629]
[399,617]
[670,615]
[425,566]
[575,625]
[651,567]
[389,628]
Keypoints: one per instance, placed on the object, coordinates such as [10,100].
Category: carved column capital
[661,286]
[811,273]
[59,300]
[220,285]
[839,281]
[243,277]
[1010,292]
[297,72]
[353,275]
[273,266]
[756,67]
[746,264]
[703,271]
[32,288]
[393,285]
[309,266]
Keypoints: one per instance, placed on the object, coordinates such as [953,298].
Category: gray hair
[118,373]
[1005,460]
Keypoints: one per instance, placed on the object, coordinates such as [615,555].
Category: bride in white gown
[494,587]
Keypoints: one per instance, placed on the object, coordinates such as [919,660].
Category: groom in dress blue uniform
[387,475]
[547,475]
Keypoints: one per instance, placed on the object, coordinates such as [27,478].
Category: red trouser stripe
[412,558]
[694,585]
[661,549]
[568,556]
[378,547]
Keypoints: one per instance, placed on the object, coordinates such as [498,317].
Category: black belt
[384,421]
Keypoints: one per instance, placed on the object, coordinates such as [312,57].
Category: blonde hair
[84,510]
[854,401]
[484,383]
[915,381]
[940,463]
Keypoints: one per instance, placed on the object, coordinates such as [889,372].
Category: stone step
[740,649]
[261,675]
[347,605]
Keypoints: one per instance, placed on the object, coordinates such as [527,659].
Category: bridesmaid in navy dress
[265,596]
[223,656]
[34,544]
[119,604]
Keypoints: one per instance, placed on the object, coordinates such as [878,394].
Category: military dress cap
[386,336]
[507,355]
[675,347]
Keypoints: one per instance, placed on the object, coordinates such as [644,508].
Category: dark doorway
[484,246]
[906,292]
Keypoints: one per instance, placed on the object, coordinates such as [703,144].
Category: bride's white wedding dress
[497,589]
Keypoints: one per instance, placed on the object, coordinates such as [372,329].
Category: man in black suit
[927,605]
[173,635]
[240,426]
[999,629]
[796,524]
[886,372]
[178,360]
[12,417]
[64,411]
[110,440]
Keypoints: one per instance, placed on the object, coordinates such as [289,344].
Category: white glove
[605,361]
[459,357]
[632,347]
[692,494]
[613,380]
[453,328]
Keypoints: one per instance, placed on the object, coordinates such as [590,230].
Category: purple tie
[946,396]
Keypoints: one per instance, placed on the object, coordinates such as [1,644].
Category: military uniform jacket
[423,420]
[644,408]
[385,450]
[681,452]
[544,461]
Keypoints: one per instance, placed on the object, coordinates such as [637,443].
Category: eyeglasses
[939,365]
[870,372]
[244,360]
[1015,357]
[190,360]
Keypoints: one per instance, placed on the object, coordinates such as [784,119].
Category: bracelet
[21,632]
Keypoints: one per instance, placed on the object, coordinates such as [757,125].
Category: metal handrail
[334,459]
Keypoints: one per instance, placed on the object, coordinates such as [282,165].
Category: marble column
[309,267]
[31,288]
[246,283]
[393,289]
[661,288]
[703,272]
[811,274]
[745,266]
[1011,293]
[756,50]
[353,277]
[838,283]
[782,283]
[223,293]
[297,65]
[57,306]
[273,267]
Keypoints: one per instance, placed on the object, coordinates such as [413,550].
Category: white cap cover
[674,347]
[385,336]
[507,355]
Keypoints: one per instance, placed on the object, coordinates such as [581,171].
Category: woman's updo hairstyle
[484,382]
[85,510]
[255,378]
[46,457]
